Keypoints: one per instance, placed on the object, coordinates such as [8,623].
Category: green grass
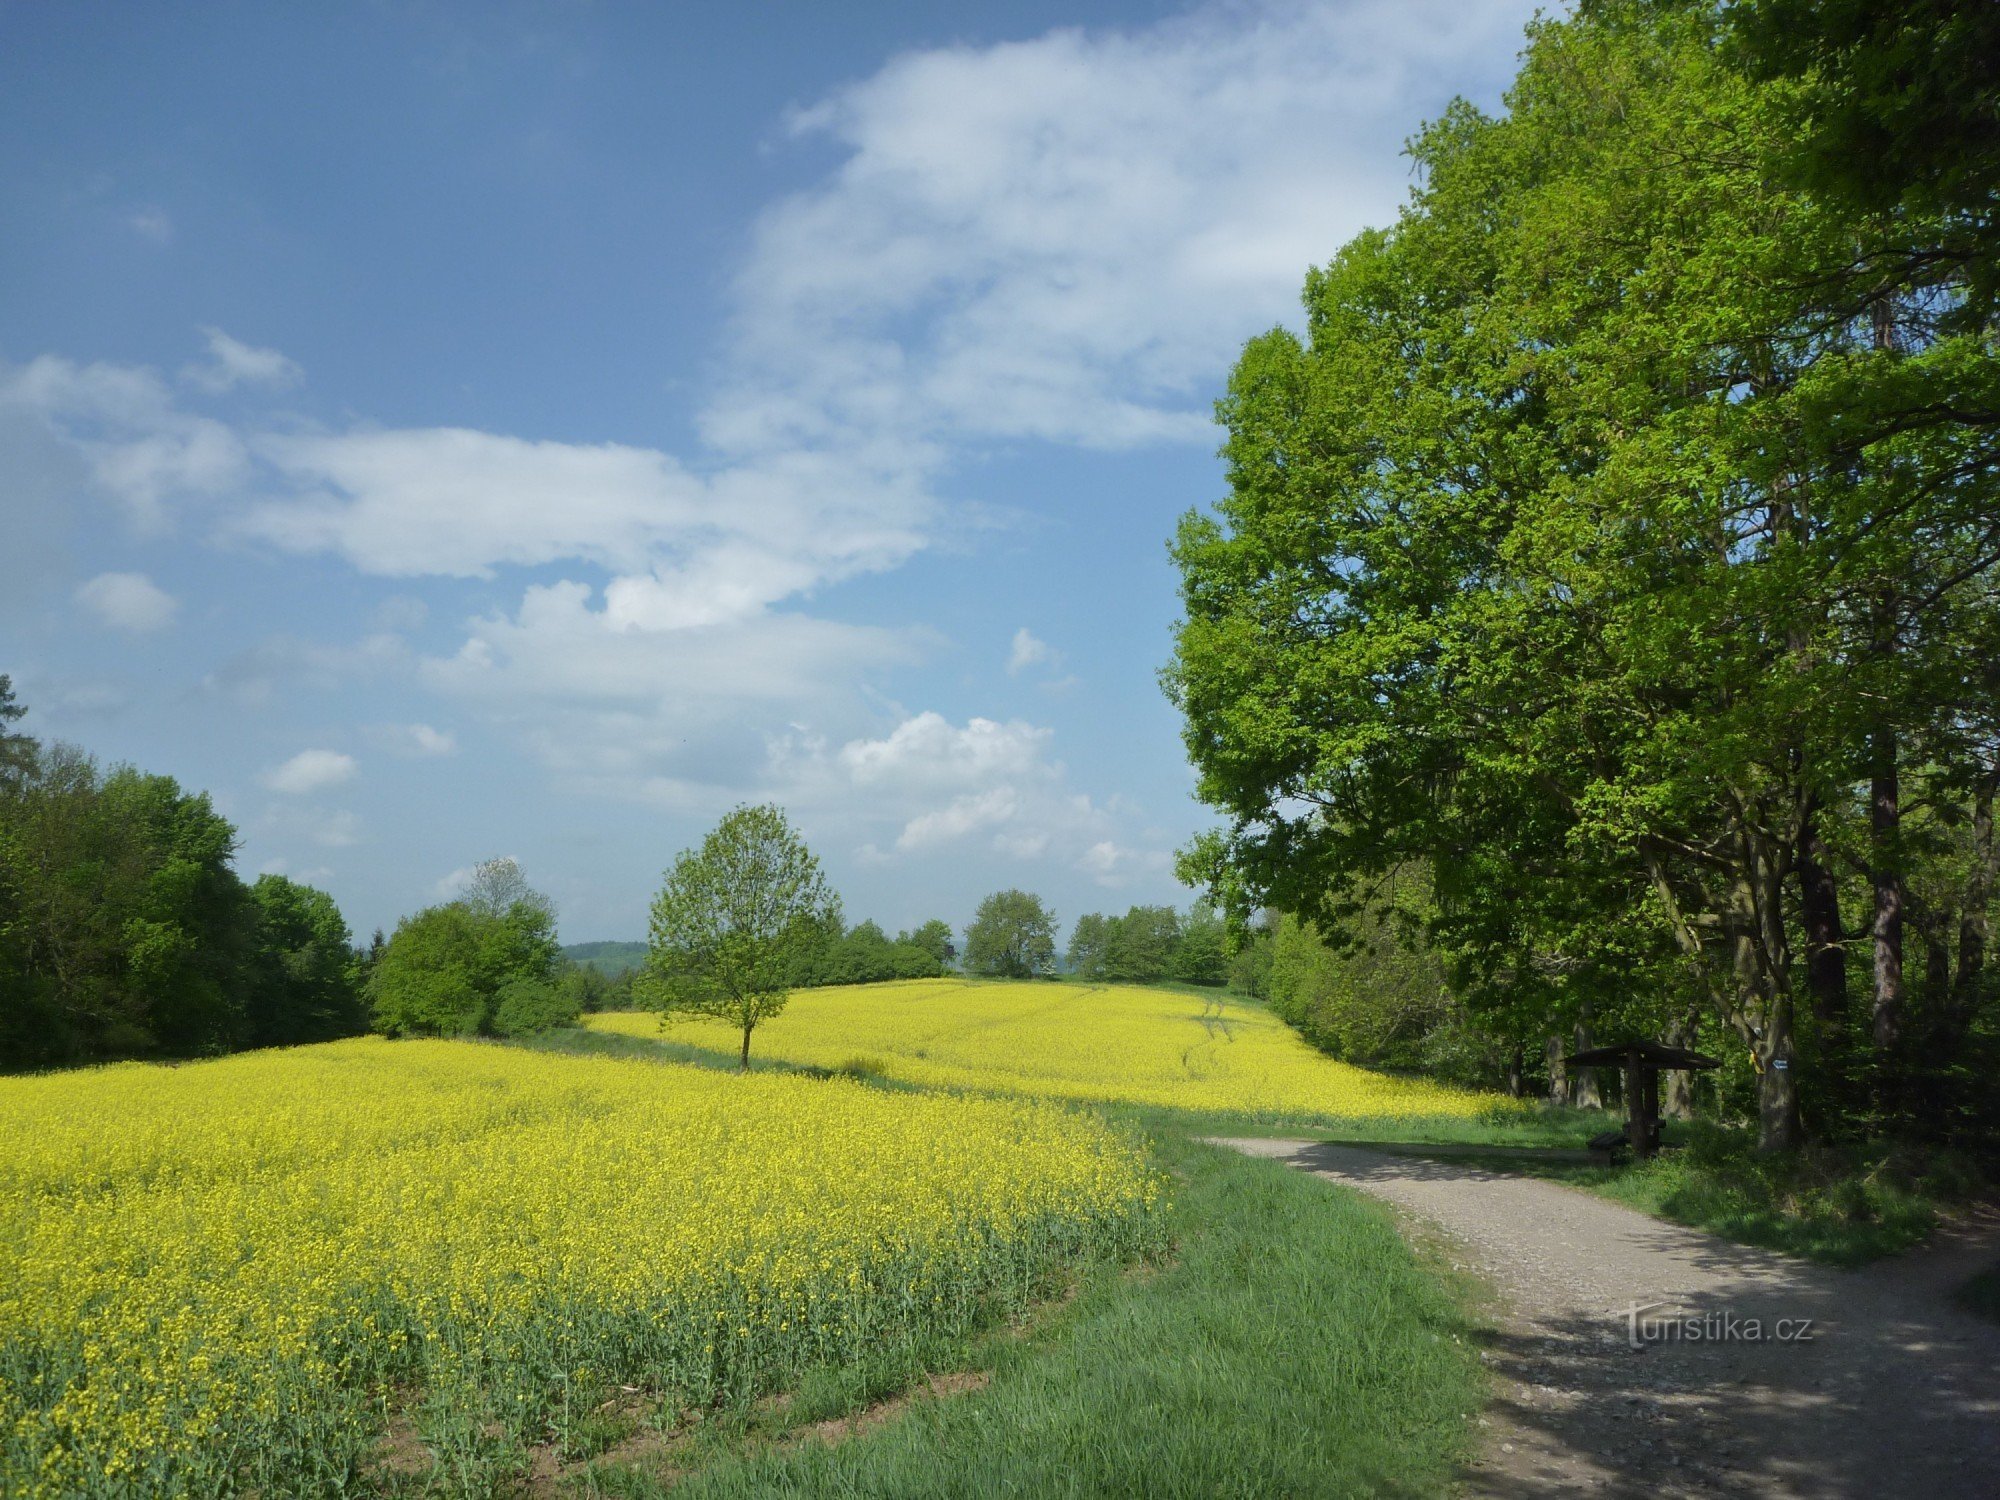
[1840,1207]
[1292,1345]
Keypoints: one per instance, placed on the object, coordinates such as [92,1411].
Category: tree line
[125,931]
[1614,557]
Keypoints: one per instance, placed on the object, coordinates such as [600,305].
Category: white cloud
[139,446]
[962,815]
[1069,237]
[1028,650]
[152,223]
[1112,864]
[310,771]
[927,751]
[413,739]
[231,363]
[128,601]
[930,788]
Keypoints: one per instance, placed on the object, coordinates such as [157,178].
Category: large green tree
[446,969]
[739,922]
[1012,936]
[1568,553]
[305,981]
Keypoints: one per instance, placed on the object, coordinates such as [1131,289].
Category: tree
[529,1007]
[1203,954]
[305,982]
[1595,545]
[1012,936]
[934,938]
[739,922]
[1088,944]
[1140,946]
[497,886]
[17,751]
[445,967]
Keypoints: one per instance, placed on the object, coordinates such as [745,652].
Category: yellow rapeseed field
[223,1277]
[1102,1043]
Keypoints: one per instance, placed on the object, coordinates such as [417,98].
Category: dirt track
[1896,1392]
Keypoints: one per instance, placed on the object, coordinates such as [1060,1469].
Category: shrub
[528,1006]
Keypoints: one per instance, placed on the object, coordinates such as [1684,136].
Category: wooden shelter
[1643,1062]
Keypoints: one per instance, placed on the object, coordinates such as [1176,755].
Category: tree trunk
[1972,933]
[1826,950]
[1583,1090]
[1777,1086]
[1558,1074]
[1517,1066]
[743,1061]
[1677,1084]
[1884,817]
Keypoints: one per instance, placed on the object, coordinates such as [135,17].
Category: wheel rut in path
[1896,1392]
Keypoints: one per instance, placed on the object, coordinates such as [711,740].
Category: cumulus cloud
[1069,237]
[1028,650]
[310,771]
[231,363]
[930,788]
[128,601]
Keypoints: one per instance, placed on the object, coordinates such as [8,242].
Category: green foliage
[1148,944]
[612,959]
[528,1007]
[1012,936]
[1600,536]
[739,922]
[866,955]
[1379,1000]
[444,969]
[934,938]
[1202,956]
[307,985]
[17,751]
[590,989]
[125,931]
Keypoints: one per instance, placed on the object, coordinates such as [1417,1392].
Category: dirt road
[1889,1391]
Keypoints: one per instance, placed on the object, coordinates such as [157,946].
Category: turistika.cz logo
[1644,1325]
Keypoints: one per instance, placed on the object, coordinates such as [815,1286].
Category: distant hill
[611,959]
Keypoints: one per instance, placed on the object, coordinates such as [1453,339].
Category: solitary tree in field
[739,922]
[1012,936]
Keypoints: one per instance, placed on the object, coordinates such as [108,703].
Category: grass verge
[1293,1346]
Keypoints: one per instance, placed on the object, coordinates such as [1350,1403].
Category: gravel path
[1894,1392]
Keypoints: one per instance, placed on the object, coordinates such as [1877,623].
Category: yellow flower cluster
[1123,1043]
[219,1274]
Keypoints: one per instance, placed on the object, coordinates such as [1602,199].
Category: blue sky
[448,431]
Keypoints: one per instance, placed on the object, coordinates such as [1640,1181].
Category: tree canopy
[1012,936]
[1605,547]
[739,922]
[125,931]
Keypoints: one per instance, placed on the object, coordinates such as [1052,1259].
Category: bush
[527,1007]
